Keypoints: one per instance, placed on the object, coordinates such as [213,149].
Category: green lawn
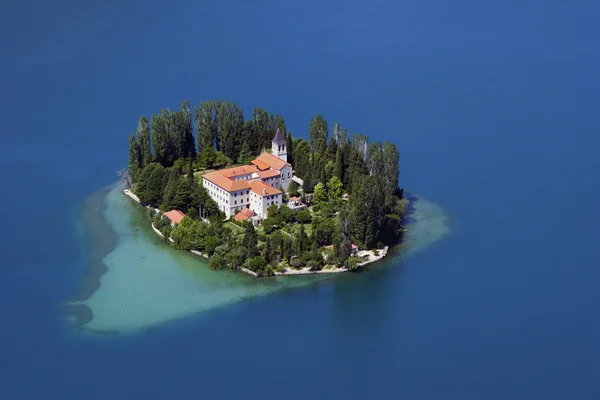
[234,228]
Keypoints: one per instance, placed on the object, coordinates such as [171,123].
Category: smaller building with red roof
[244,214]
[175,216]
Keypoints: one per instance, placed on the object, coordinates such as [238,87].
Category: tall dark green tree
[366,211]
[143,134]
[160,138]
[338,170]
[230,126]
[187,129]
[318,134]
[171,189]
[250,241]
[301,158]
[260,124]
[134,164]
[290,148]
[149,189]
[280,124]
[342,241]
[391,163]
[204,115]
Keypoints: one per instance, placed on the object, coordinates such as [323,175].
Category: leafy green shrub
[217,262]
[303,217]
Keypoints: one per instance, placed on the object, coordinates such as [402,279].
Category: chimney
[264,192]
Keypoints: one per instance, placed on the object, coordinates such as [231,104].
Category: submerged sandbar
[137,281]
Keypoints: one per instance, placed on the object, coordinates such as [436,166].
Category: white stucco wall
[286,175]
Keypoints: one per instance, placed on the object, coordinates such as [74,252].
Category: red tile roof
[270,173]
[226,184]
[294,198]
[244,214]
[237,171]
[175,216]
[272,161]
[262,189]
[261,165]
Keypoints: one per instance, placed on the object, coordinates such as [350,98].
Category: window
[235,202]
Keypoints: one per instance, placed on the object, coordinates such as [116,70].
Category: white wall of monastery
[286,175]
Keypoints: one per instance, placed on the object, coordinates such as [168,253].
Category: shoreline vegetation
[370,256]
[353,209]
[144,286]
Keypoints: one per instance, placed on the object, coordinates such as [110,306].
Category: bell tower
[278,146]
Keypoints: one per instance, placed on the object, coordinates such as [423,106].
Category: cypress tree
[204,125]
[159,138]
[189,145]
[338,170]
[250,241]
[133,165]
[290,148]
[143,134]
[171,189]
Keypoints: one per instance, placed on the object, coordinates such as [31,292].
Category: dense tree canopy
[169,146]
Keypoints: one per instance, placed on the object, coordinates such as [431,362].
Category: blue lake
[494,108]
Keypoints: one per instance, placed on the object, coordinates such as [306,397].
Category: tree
[301,157]
[171,189]
[286,214]
[272,211]
[151,184]
[260,124]
[334,188]
[366,212]
[320,194]
[300,241]
[250,241]
[207,157]
[318,134]
[230,124]
[338,170]
[133,165]
[322,230]
[280,125]
[332,146]
[290,148]
[160,138]
[204,114]
[293,189]
[256,264]
[123,174]
[217,262]
[269,251]
[342,243]
[270,224]
[188,146]
[143,134]
[221,160]
[303,217]
[236,257]
[391,165]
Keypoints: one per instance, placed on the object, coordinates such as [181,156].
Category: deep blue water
[494,107]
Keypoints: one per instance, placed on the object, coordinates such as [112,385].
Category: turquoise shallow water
[493,106]
[147,283]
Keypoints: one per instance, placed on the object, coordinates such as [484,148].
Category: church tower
[278,146]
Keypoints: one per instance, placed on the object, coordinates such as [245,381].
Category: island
[249,196]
